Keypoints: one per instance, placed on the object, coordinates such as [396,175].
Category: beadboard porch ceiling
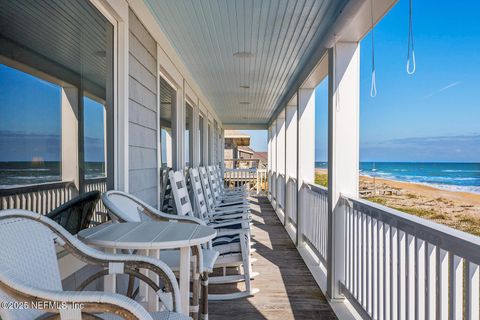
[245,53]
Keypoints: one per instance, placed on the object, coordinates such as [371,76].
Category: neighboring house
[237,148]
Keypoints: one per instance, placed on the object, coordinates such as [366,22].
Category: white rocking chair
[233,244]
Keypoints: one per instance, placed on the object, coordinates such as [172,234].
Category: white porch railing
[314,219]
[45,197]
[100,184]
[254,179]
[291,201]
[41,198]
[397,266]
[401,266]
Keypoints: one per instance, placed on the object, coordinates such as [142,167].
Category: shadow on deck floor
[287,289]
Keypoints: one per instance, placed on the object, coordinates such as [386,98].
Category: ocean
[20,173]
[443,175]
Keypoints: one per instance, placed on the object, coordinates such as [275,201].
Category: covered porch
[170,78]
[287,288]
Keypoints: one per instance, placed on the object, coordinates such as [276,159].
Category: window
[30,122]
[56,114]
[167,101]
[94,138]
[188,135]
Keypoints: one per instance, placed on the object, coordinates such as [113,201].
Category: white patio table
[149,237]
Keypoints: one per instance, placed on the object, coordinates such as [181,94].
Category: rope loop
[411,63]
[373,86]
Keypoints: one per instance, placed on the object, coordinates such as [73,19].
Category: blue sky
[30,124]
[432,115]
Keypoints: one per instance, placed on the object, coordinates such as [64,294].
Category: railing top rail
[241,170]
[242,159]
[96,180]
[315,188]
[35,187]
[462,244]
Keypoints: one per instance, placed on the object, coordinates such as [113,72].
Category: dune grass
[460,221]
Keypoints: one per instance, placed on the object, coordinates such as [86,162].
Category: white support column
[222,153]
[121,88]
[195,156]
[305,147]
[281,164]
[274,165]
[269,163]
[179,129]
[70,169]
[204,137]
[291,157]
[343,151]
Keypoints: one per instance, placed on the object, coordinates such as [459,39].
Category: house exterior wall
[142,105]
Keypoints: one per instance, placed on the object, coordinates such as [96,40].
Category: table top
[147,235]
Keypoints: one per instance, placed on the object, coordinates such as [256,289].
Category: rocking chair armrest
[232,232]
[162,216]
[229,216]
[229,223]
[220,210]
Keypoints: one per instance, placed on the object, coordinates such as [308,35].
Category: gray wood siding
[142,113]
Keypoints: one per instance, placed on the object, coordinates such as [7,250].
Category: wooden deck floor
[287,289]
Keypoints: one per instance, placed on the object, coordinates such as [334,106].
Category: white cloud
[448,86]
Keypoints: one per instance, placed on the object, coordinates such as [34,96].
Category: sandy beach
[460,210]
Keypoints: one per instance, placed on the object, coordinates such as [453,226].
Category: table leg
[110,281]
[153,302]
[143,287]
[185,279]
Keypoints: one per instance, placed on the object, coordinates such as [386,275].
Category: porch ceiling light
[244,102]
[243,54]
[244,86]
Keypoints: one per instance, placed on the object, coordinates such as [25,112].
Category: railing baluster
[456,287]
[420,272]
[473,292]
[431,274]
[394,263]
[410,277]
[387,289]
[443,284]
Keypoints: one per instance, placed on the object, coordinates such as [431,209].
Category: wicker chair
[29,273]
[76,214]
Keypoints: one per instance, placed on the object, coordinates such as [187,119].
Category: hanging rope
[411,64]
[336,85]
[373,86]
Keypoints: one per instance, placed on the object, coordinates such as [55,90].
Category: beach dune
[460,210]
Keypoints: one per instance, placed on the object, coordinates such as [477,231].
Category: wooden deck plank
[287,289]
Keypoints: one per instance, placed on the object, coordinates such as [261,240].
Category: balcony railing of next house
[254,179]
[45,197]
[393,265]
